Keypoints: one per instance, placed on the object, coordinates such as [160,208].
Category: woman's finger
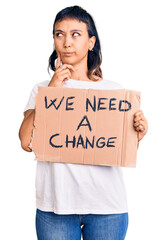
[140,128]
[139,112]
[65,71]
[139,117]
[64,66]
[140,122]
[58,63]
[65,77]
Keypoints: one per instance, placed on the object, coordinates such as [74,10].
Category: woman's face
[72,36]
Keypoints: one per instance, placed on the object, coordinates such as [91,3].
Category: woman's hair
[95,56]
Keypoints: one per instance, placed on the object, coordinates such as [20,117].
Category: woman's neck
[79,74]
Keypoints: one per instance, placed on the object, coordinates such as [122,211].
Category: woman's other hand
[140,124]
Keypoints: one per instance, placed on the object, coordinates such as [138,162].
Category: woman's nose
[67,41]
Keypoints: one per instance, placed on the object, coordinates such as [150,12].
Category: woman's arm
[26,129]
[27,125]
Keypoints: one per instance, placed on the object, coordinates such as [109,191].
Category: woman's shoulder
[114,84]
[43,83]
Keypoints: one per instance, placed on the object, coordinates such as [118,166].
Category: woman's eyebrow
[58,30]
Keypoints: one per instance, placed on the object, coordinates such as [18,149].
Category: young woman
[72,198]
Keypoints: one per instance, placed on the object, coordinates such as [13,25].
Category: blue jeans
[52,226]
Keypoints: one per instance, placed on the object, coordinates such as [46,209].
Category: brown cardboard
[112,120]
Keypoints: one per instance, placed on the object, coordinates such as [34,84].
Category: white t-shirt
[66,188]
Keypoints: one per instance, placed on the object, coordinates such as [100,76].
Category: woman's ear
[92,41]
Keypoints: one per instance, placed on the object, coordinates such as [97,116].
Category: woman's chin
[68,61]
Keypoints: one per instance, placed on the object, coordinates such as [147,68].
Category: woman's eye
[76,33]
[57,34]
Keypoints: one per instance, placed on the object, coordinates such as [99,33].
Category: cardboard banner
[85,126]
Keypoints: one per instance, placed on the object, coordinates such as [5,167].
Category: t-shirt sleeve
[113,85]
[31,101]
[119,86]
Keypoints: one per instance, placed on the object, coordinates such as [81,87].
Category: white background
[133,42]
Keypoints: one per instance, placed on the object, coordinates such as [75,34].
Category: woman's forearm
[26,130]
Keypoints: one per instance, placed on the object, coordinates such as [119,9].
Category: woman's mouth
[68,53]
